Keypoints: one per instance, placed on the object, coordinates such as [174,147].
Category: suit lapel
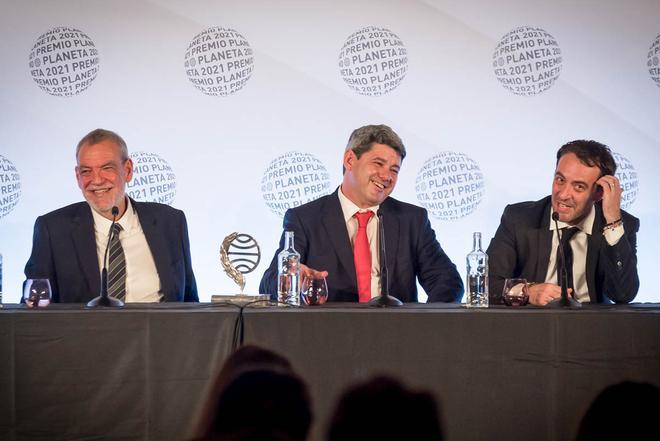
[594,245]
[391,226]
[337,234]
[544,242]
[155,237]
[84,241]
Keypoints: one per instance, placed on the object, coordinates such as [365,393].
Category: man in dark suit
[152,252]
[587,196]
[336,235]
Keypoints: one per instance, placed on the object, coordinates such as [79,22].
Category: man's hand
[543,293]
[611,189]
[306,271]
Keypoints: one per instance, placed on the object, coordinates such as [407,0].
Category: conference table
[140,372]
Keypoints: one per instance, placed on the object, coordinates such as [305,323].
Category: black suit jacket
[64,251]
[322,240]
[523,241]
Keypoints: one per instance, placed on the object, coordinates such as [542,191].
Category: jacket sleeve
[190,291]
[436,272]
[620,271]
[291,222]
[502,256]
[40,265]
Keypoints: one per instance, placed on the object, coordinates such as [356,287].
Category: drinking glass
[36,293]
[314,290]
[515,292]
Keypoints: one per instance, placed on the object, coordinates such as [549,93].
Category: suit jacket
[322,240]
[523,241]
[64,251]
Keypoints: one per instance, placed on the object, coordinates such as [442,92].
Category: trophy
[239,255]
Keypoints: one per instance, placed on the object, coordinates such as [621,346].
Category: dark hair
[363,138]
[627,410]
[590,153]
[244,359]
[274,404]
[99,135]
[359,413]
[251,357]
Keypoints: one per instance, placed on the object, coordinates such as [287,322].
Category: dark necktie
[362,256]
[116,266]
[567,235]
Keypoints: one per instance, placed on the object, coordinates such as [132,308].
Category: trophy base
[241,299]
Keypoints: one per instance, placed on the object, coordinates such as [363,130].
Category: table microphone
[103,299]
[384,299]
[564,300]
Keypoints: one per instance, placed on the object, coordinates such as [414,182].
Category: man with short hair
[150,262]
[600,237]
[337,235]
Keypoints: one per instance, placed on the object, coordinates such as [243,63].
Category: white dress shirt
[349,209]
[142,281]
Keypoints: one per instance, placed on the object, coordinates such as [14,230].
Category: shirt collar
[586,225]
[127,221]
[349,208]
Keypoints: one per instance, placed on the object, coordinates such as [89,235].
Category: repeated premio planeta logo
[153,179]
[527,61]
[653,61]
[450,185]
[64,62]
[293,179]
[627,175]
[219,61]
[373,61]
[10,186]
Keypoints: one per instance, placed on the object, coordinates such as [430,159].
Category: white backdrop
[213,96]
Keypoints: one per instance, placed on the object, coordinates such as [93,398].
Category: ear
[78,178]
[128,168]
[349,159]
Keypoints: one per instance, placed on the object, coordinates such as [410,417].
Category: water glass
[36,293]
[314,290]
[515,292]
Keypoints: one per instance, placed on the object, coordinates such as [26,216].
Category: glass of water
[36,293]
[314,290]
[515,292]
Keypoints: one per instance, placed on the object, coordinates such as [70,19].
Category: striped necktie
[116,266]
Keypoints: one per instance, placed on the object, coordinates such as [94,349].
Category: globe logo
[293,179]
[527,61]
[373,61]
[244,253]
[10,186]
[653,61]
[450,185]
[153,179]
[219,61]
[628,179]
[64,62]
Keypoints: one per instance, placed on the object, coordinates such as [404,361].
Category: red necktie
[362,256]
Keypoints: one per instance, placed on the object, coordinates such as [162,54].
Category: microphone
[103,299]
[564,300]
[384,299]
